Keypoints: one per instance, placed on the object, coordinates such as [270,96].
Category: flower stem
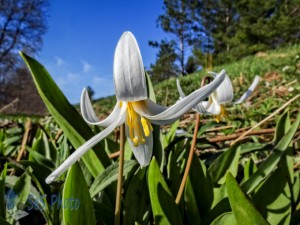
[120,177]
[189,162]
[191,154]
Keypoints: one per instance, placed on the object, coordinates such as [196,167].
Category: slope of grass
[275,67]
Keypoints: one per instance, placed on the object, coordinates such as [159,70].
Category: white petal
[249,91]
[201,108]
[89,114]
[224,93]
[129,74]
[142,152]
[156,112]
[86,146]
[207,108]
[182,95]
[214,109]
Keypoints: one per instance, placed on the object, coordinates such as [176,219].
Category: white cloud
[86,66]
[73,77]
[98,81]
[59,62]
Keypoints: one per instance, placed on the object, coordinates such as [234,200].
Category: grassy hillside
[277,68]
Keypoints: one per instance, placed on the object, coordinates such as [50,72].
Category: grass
[283,63]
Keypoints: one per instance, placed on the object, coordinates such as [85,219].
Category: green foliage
[77,203]
[66,116]
[109,176]
[255,181]
[230,30]
[165,211]
[2,193]
[244,211]
[269,164]
[227,161]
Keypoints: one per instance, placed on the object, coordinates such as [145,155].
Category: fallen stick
[114,155]
[219,128]
[28,127]
[234,136]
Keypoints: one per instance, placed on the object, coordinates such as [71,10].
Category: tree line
[222,30]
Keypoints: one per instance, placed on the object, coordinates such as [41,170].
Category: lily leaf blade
[77,203]
[65,115]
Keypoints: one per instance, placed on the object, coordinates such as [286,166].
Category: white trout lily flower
[221,96]
[133,107]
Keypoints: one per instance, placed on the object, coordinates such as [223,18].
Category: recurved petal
[142,152]
[156,112]
[89,114]
[182,95]
[208,108]
[86,146]
[249,91]
[129,74]
[200,108]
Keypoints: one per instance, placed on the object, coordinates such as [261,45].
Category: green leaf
[252,147]
[228,160]
[18,196]
[200,187]
[40,159]
[3,222]
[12,140]
[37,146]
[137,202]
[158,150]
[220,193]
[110,146]
[2,192]
[296,188]
[76,200]
[171,134]
[244,211]
[63,151]
[221,207]
[165,211]
[157,146]
[67,117]
[44,147]
[22,189]
[109,176]
[274,203]
[103,213]
[35,199]
[282,126]
[249,169]
[128,152]
[39,171]
[270,163]
[191,205]
[150,89]
[225,218]
[295,217]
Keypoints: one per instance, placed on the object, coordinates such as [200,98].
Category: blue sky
[80,42]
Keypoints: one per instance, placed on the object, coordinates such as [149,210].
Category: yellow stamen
[139,127]
[135,141]
[223,113]
[145,124]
